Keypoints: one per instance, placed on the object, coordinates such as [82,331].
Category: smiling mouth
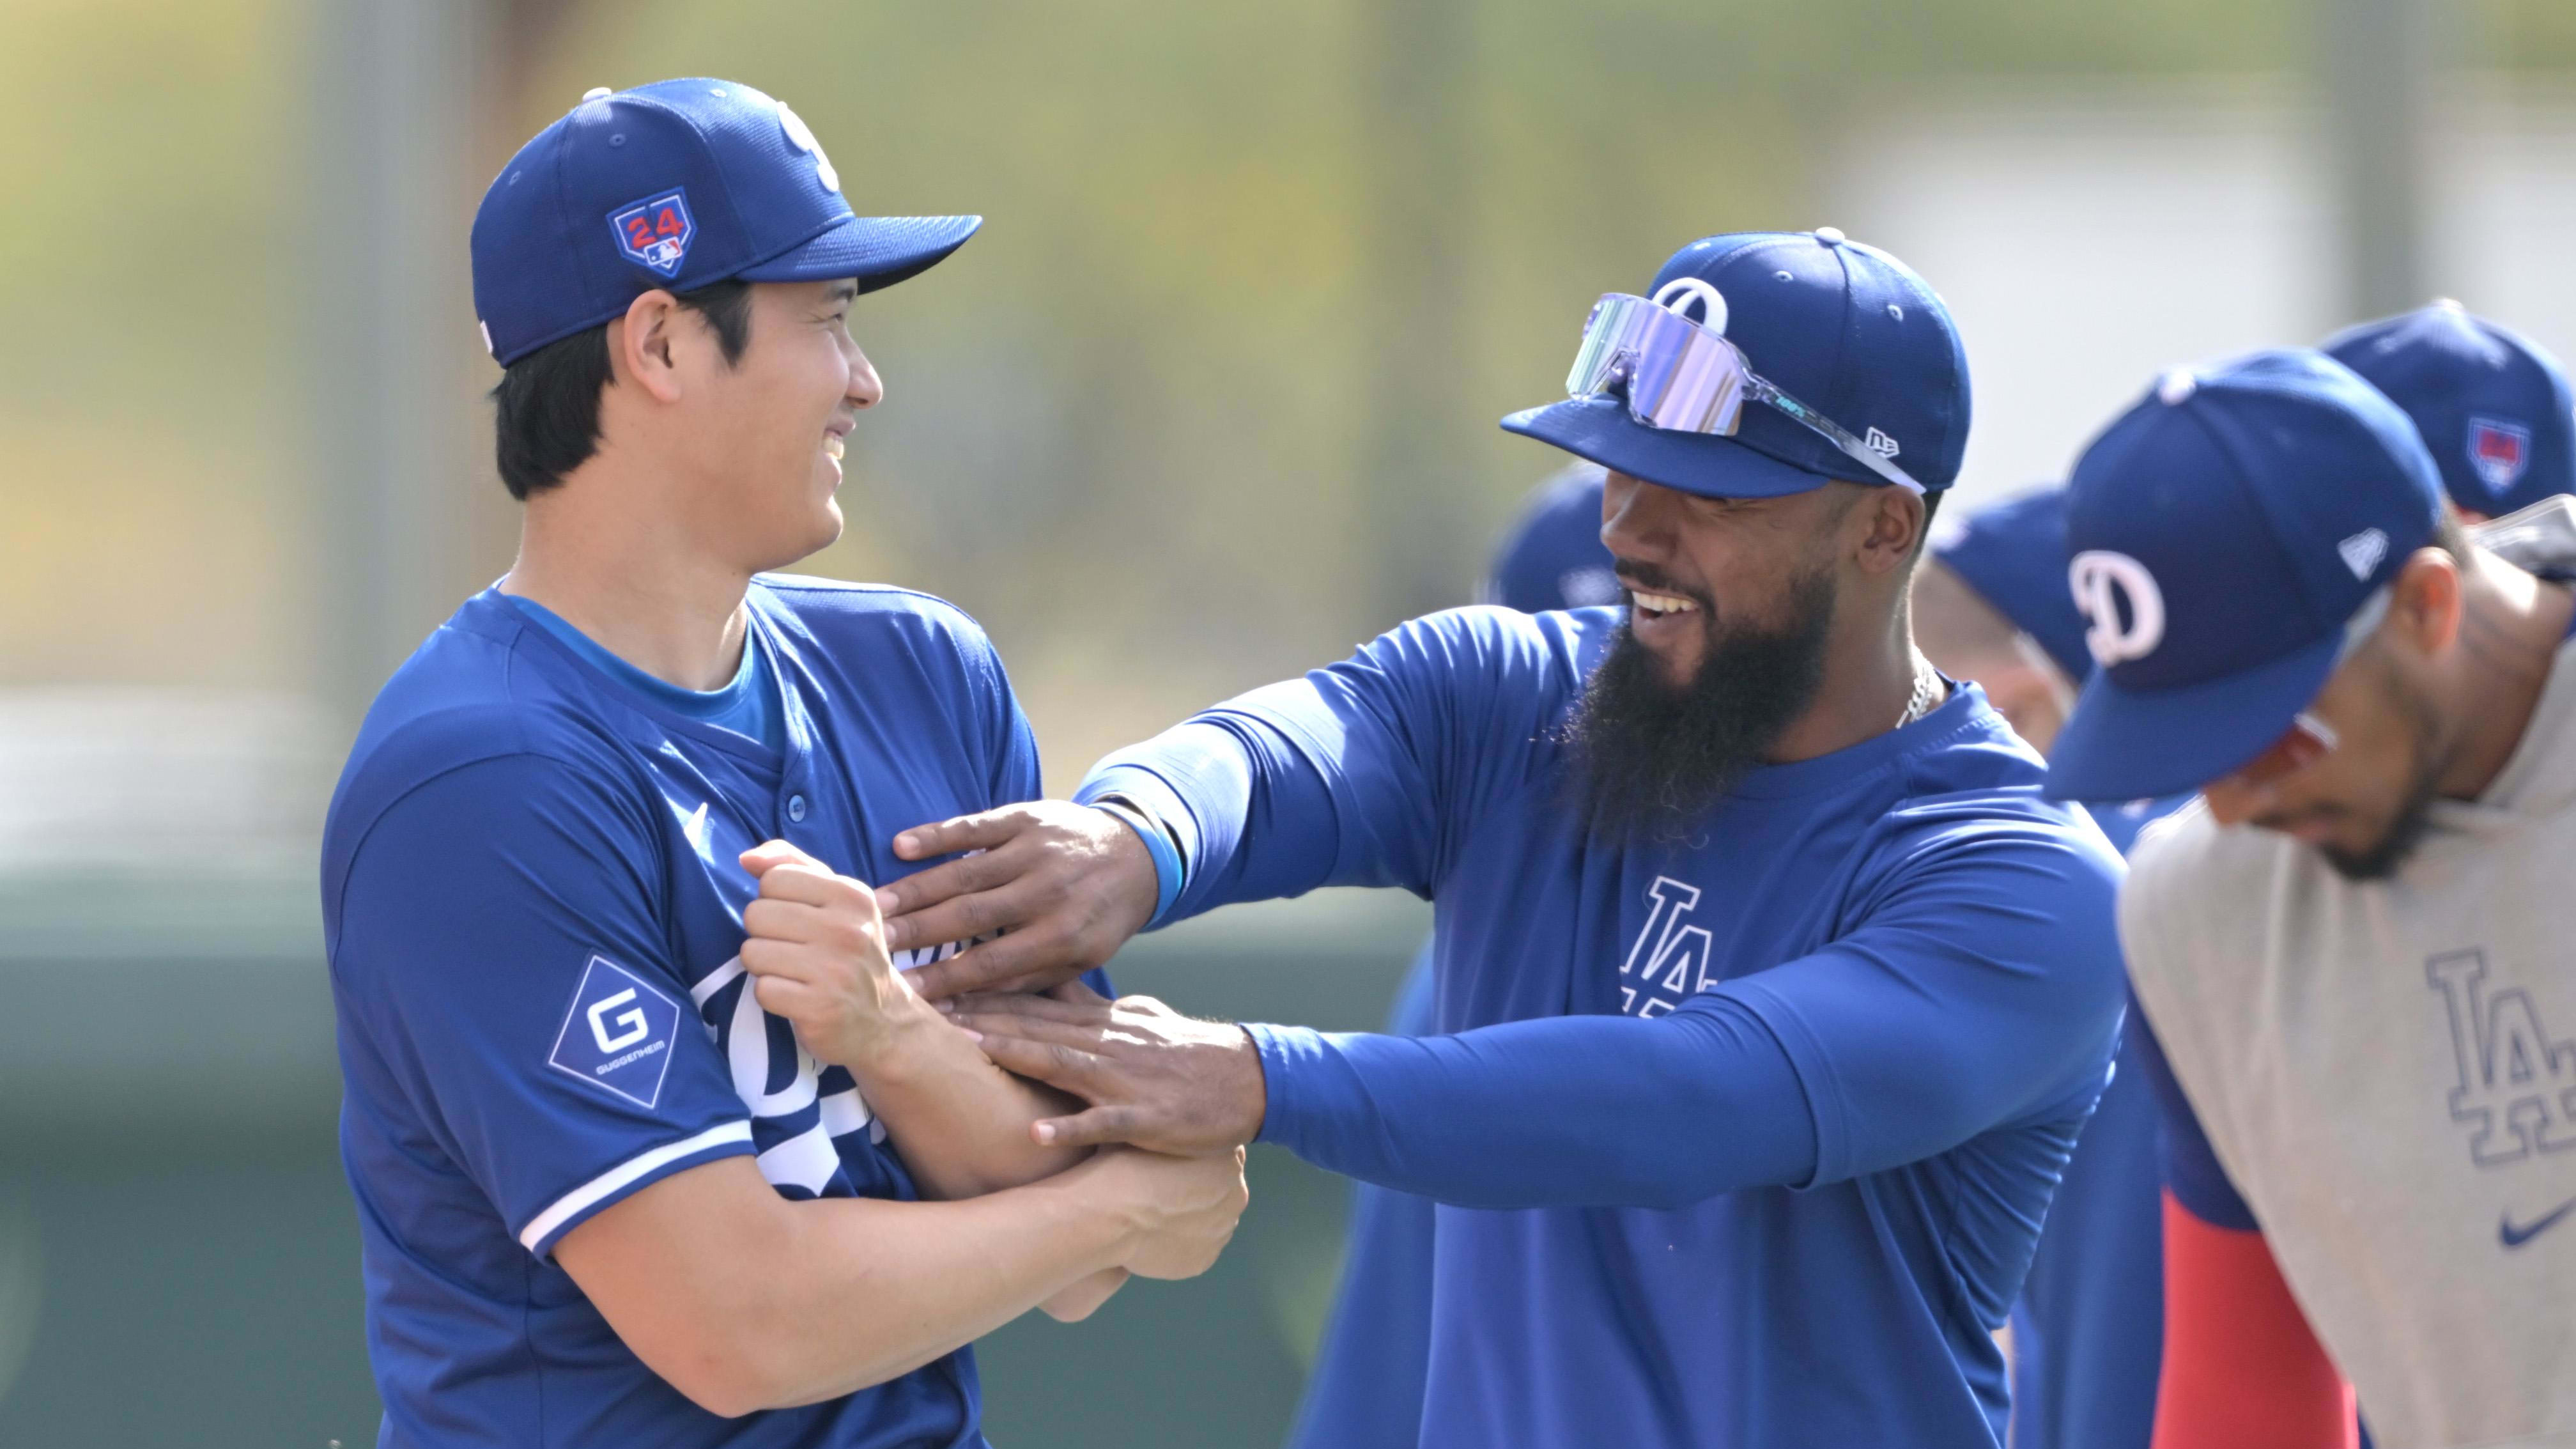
[1658,606]
[833,446]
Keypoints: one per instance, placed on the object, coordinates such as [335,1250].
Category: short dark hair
[546,406]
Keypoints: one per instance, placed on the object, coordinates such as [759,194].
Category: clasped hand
[814,945]
[1154,1078]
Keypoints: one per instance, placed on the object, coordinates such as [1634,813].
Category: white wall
[2086,238]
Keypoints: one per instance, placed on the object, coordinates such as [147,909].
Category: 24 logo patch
[655,233]
[618,1033]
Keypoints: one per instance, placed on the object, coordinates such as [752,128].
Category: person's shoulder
[470,695]
[876,626]
[2188,873]
[864,609]
[1490,634]
[2188,855]
[1972,793]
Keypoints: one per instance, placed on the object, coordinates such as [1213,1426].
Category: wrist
[1160,851]
[1108,1213]
[894,1044]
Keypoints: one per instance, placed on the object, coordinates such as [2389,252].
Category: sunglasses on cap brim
[1685,377]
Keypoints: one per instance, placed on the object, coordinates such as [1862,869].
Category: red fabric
[2242,1369]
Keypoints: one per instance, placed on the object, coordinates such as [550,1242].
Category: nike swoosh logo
[2514,1237]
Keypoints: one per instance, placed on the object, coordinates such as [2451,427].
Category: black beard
[1652,758]
[2406,832]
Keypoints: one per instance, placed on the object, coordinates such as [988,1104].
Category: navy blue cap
[675,185]
[2013,553]
[1554,558]
[2492,405]
[1844,328]
[2221,534]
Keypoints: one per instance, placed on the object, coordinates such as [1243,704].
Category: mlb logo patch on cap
[655,232]
[2499,451]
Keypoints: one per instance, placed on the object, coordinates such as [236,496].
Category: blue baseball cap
[2221,534]
[2492,405]
[1553,558]
[1844,328]
[2013,554]
[675,185]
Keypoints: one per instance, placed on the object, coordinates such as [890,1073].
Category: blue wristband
[1158,846]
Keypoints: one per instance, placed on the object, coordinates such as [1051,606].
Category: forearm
[2242,1368]
[1568,1111]
[805,1301]
[960,1123]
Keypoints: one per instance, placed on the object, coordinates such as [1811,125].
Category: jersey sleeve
[1565,1111]
[1979,987]
[1362,773]
[2190,1166]
[497,944]
[2242,1367]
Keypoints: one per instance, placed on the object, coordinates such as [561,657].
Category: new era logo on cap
[2362,552]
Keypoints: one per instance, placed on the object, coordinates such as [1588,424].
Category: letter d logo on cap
[2100,580]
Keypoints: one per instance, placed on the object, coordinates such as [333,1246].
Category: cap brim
[2129,744]
[877,250]
[1599,430]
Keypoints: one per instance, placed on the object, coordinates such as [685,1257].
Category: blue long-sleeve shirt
[1742,1139]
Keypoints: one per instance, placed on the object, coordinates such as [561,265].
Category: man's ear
[2426,601]
[1891,526]
[641,345]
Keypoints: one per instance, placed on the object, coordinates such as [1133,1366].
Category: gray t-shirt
[2387,1071]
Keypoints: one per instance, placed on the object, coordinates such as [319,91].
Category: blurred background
[1211,398]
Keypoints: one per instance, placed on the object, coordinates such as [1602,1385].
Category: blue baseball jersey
[2088,1331]
[1742,1138]
[533,910]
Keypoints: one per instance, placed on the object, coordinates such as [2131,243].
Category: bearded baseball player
[2352,951]
[1772,993]
[651,1141]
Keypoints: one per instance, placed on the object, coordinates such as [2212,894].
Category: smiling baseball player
[651,1141]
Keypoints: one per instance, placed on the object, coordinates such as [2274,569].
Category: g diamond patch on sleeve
[618,1033]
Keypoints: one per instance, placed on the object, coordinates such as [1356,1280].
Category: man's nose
[866,389]
[1637,521]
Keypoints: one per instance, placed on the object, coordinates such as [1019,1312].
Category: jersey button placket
[796,809]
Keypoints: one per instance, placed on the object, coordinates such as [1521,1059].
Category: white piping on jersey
[623,1173]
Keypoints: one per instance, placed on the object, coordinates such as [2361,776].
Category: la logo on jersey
[617,1033]
[1669,960]
[2517,1087]
[655,233]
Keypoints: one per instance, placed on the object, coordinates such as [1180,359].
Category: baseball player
[646,1128]
[2350,952]
[1366,1389]
[1773,993]
[1991,605]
